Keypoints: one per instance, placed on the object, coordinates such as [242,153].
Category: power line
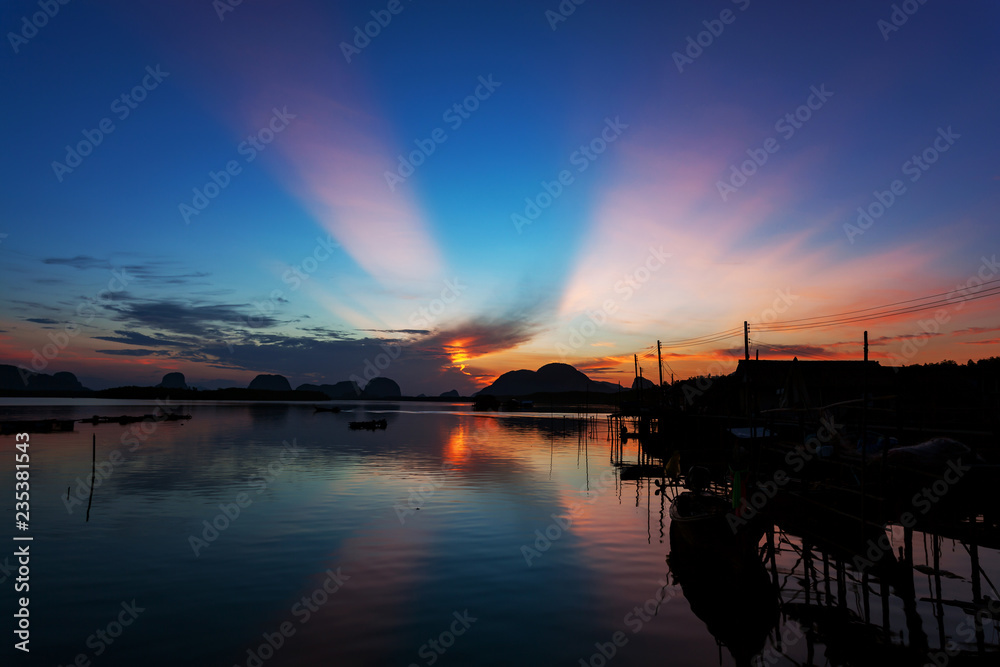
[837,321]
[883,311]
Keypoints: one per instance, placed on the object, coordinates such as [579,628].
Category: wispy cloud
[135,338]
[134,352]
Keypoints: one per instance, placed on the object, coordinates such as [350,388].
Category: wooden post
[746,340]
[93,472]
[659,363]
[866,346]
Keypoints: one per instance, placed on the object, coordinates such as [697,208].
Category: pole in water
[93,472]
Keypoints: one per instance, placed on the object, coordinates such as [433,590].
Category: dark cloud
[328,333]
[975,330]
[487,334]
[41,320]
[992,341]
[183,318]
[885,340]
[20,305]
[135,352]
[807,351]
[135,338]
[421,332]
[81,262]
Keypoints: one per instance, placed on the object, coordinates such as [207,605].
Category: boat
[370,425]
[729,590]
[132,419]
[332,408]
[697,505]
[700,507]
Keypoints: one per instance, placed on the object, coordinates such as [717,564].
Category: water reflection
[434,516]
[820,586]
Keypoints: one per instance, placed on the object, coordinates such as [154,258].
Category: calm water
[329,546]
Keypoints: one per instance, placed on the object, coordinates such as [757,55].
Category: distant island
[264,387]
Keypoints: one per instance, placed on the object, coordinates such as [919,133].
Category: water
[527,548]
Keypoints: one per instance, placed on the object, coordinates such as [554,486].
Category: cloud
[184,318]
[134,338]
[974,330]
[134,352]
[82,262]
[41,320]
[782,350]
[885,340]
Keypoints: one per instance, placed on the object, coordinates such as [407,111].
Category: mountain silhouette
[381,388]
[173,381]
[342,390]
[551,378]
[14,379]
[270,383]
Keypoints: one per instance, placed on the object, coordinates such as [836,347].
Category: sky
[440,192]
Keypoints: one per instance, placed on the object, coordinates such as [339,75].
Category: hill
[551,378]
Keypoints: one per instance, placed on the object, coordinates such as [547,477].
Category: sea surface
[270,534]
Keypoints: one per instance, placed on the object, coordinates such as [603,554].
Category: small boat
[370,425]
[332,408]
[700,507]
[133,419]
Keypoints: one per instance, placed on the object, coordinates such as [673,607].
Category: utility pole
[659,363]
[866,346]
[746,340]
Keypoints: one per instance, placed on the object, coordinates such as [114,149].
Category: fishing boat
[698,506]
[728,589]
[370,425]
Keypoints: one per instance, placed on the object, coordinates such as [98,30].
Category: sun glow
[458,353]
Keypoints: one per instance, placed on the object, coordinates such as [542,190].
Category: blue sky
[200,284]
